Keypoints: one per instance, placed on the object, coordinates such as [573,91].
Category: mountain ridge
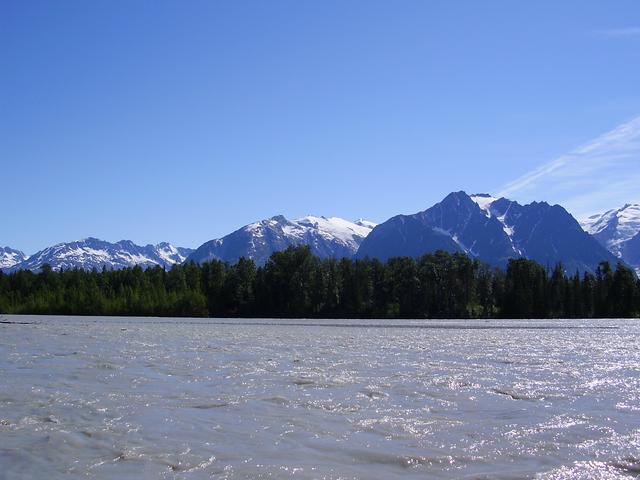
[483,226]
[90,252]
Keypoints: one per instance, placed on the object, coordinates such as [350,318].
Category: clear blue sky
[182,121]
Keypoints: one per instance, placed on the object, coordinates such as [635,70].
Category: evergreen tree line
[296,284]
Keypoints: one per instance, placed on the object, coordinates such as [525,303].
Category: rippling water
[175,398]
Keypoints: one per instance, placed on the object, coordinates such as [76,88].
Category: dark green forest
[296,284]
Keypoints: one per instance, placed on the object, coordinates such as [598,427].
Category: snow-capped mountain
[10,257]
[327,237]
[491,229]
[94,253]
[619,231]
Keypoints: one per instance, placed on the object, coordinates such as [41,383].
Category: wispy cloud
[601,174]
[620,32]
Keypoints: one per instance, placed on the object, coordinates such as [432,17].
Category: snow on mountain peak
[615,228]
[10,257]
[326,236]
[484,201]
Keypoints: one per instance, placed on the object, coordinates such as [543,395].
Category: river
[107,397]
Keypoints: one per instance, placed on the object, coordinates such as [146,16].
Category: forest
[296,284]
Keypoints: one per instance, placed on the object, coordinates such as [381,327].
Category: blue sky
[182,121]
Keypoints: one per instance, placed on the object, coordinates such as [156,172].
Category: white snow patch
[336,228]
[293,231]
[484,202]
[256,229]
[457,240]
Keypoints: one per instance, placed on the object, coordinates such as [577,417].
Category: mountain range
[492,230]
[619,231]
[94,253]
[484,227]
